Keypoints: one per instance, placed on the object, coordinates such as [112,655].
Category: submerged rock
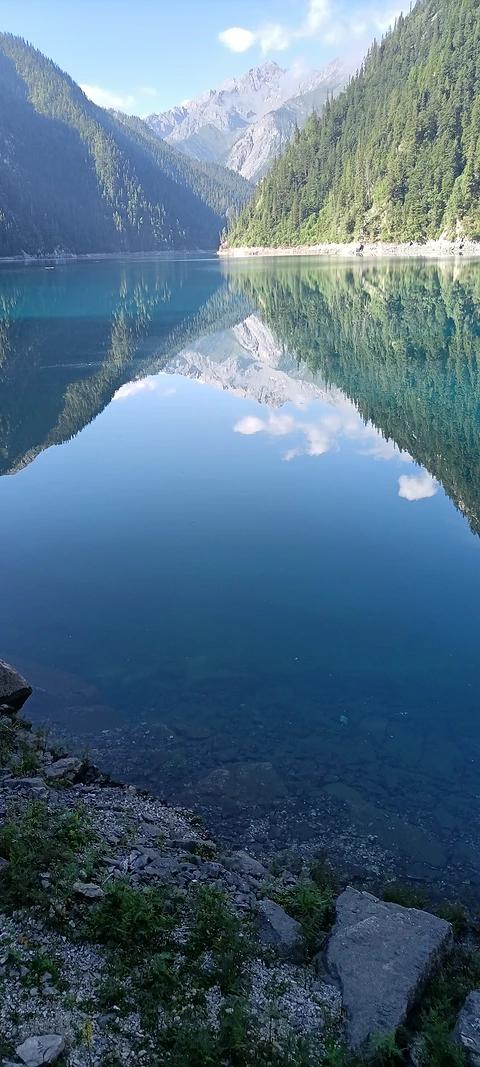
[14,688]
[467,1029]
[37,1050]
[279,931]
[382,954]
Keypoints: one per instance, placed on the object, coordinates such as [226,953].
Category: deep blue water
[239,510]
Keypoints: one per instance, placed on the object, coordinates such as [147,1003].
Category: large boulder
[68,767]
[14,689]
[247,865]
[37,1050]
[381,954]
[467,1029]
[279,931]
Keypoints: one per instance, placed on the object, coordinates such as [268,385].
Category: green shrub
[133,921]
[216,930]
[455,914]
[405,895]
[36,841]
[312,905]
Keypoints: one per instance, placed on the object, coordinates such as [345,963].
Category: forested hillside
[396,157]
[78,178]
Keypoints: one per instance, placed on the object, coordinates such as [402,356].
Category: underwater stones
[381,954]
[14,689]
[467,1029]
[392,831]
[279,931]
[37,1050]
[252,783]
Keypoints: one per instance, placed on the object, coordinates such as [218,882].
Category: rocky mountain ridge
[247,121]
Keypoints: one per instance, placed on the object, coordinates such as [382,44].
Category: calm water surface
[240,508]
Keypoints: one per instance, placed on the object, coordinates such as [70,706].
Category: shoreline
[62,259]
[126,931]
[440,249]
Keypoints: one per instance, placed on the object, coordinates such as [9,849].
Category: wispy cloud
[325,20]
[417,486]
[147,90]
[315,438]
[145,385]
[107,98]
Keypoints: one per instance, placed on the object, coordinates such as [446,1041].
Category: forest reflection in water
[293,647]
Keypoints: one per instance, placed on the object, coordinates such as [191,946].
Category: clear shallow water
[239,556]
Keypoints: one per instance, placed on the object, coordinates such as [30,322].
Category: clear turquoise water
[239,513]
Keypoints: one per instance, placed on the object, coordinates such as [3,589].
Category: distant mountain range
[76,178]
[246,122]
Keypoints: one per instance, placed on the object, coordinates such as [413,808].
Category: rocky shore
[440,249]
[129,936]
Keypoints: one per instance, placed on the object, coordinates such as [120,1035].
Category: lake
[240,556]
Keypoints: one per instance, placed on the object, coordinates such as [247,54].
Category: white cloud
[145,385]
[147,90]
[325,20]
[237,39]
[383,21]
[105,98]
[417,486]
[341,422]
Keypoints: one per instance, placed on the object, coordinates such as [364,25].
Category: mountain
[248,361]
[246,121]
[81,179]
[396,157]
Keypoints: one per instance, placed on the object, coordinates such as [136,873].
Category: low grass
[36,841]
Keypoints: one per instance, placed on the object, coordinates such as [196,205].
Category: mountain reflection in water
[260,602]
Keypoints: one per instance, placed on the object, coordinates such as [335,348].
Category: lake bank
[367,250]
[128,934]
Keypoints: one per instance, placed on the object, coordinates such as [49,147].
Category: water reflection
[395,350]
[403,344]
[255,595]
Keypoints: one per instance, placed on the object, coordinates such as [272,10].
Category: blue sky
[146,55]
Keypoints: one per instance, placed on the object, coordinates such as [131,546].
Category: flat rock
[63,768]
[88,890]
[14,689]
[279,931]
[381,954]
[4,865]
[467,1029]
[37,1050]
[245,864]
[164,868]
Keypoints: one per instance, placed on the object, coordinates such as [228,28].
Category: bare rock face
[381,954]
[14,689]
[467,1030]
[279,931]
